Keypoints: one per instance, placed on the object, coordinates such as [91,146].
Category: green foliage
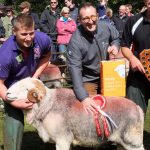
[39,6]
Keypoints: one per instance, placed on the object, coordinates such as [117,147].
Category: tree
[39,5]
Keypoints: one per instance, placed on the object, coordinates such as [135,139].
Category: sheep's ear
[33,96]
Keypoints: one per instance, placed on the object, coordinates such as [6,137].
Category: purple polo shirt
[14,66]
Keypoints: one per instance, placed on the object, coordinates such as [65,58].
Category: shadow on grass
[31,141]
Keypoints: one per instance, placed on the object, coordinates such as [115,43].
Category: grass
[31,140]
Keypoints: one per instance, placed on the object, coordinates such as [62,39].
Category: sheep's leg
[63,145]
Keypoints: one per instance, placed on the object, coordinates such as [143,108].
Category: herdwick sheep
[59,116]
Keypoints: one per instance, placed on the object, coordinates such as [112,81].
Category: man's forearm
[127,53]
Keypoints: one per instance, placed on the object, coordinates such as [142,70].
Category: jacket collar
[61,19]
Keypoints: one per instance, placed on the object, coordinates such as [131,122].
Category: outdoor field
[31,140]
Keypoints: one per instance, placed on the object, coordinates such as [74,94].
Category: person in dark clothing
[136,32]
[48,20]
[120,20]
[25,8]
[101,8]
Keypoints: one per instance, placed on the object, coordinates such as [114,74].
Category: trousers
[13,128]
[92,88]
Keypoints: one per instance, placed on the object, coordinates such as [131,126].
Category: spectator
[129,10]
[73,9]
[108,16]
[25,8]
[89,44]
[7,21]
[49,18]
[25,54]
[65,27]
[120,20]
[48,23]
[137,84]
[101,8]
[2,29]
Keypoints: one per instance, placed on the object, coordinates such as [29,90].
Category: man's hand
[89,105]
[22,104]
[136,64]
[113,51]
[2,39]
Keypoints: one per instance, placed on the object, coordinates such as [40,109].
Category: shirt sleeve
[48,45]
[114,36]
[74,62]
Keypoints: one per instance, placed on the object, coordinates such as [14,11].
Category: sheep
[52,76]
[59,116]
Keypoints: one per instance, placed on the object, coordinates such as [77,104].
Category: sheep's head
[30,88]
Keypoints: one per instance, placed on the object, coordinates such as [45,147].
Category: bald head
[122,10]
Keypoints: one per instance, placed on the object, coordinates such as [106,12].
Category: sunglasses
[53,2]
[66,13]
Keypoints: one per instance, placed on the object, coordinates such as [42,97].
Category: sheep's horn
[38,93]
[33,96]
[40,86]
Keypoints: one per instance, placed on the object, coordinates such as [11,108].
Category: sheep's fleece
[59,116]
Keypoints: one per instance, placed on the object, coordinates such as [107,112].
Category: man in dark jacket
[49,18]
[90,43]
[48,24]
[25,8]
[120,20]
[137,32]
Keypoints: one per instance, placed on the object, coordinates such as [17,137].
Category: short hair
[64,9]
[51,0]
[25,4]
[23,20]
[109,12]
[73,1]
[85,5]
[129,6]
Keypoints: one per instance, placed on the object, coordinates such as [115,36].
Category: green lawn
[31,140]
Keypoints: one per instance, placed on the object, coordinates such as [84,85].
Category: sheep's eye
[35,95]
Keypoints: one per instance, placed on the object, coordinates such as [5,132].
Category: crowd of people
[87,35]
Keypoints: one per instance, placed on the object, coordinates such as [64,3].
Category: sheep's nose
[7,93]
[9,96]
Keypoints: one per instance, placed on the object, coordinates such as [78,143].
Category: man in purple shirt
[24,54]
